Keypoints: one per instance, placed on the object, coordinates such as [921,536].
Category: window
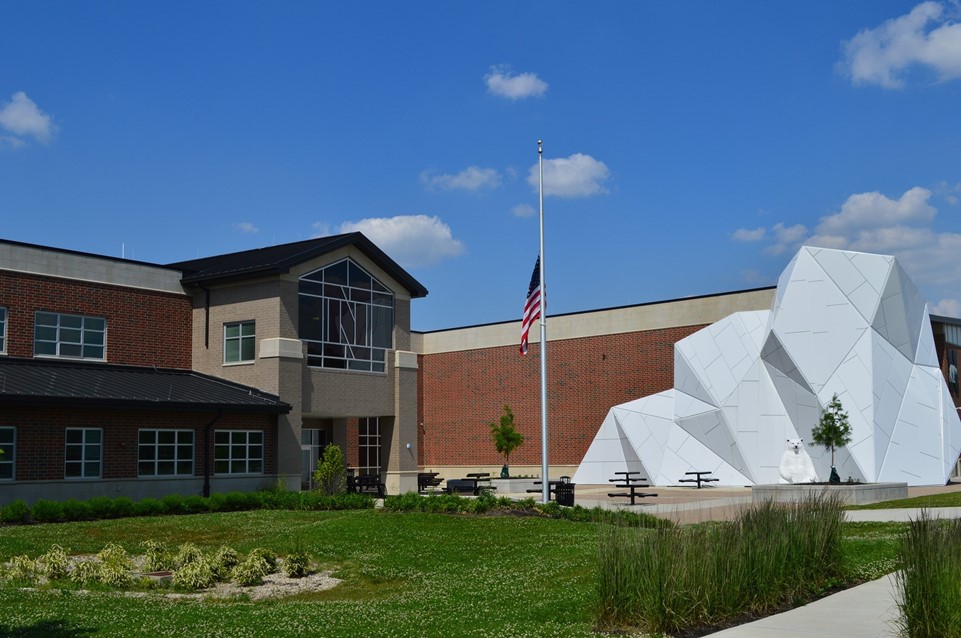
[8,453]
[312,444]
[74,336]
[3,330]
[239,452]
[239,342]
[165,453]
[346,318]
[83,454]
[369,448]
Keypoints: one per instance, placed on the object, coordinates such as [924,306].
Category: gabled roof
[79,384]
[274,260]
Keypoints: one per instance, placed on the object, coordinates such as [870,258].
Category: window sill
[233,364]
[56,357]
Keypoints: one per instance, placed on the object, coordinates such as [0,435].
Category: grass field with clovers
[405,574]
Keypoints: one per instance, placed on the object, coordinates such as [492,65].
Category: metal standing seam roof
[85,384]
[279,259]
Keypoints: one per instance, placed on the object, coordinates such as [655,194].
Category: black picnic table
[471,484]
[699,477]
[631,481]
[365,483]
[427,480]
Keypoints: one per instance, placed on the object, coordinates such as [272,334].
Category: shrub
[330,477]
[54,564]
[297,564]
[269,556]
[223,561]
[148,507]
[186,554]
[156,558]
[251,570]
[123,507]
[74,510]
[22,568]
[115,566]
[45,511]
[194,504]
[173,504]
[15,512]
[196,574]
[85,572]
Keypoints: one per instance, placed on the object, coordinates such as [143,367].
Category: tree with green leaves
[832,431]
[331,474]
[506,438]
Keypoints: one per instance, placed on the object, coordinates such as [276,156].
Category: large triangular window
[346,318]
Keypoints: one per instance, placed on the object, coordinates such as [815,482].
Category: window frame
[176,461]
[346,316]
[240,338]
[85,447]
[9,457]
[225,464]
[87,336]
[369,445]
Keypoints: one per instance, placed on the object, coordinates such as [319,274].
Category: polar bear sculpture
[796,465]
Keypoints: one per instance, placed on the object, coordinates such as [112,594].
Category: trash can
[564,494]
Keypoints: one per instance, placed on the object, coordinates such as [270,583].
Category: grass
[945,499]
[405,574]
[929,580]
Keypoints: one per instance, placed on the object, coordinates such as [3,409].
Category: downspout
[208,451]
[206,315]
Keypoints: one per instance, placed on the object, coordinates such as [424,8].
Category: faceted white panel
[843,323]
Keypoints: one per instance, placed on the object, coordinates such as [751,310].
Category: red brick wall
[461,392]
[40,437]
[143,327]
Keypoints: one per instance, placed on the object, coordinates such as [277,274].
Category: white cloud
[748,234]
[472,178]
[788,238]
[246,227]
[924,37]
[576,176]
[23,118]
[874,210]
[501,81]
[321,229]
[947,308]
[523,210]
[410,240]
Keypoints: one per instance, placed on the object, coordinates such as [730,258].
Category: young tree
[331,474]
[506,438]
[832,431]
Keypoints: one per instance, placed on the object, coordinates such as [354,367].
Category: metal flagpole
[545,478]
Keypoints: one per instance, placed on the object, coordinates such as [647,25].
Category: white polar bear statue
[796,465]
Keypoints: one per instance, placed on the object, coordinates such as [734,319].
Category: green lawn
[405,575]
[947,499]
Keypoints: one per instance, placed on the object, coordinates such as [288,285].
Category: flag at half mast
[532,308]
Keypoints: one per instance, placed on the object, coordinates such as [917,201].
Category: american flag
[532,309]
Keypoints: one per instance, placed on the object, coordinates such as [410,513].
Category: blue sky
[690,147]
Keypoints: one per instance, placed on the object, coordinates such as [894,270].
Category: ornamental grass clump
[21,569]
[224,560]
[115,566]
[929,579]
[250,571]
[54,564]
[297,564]
[156,557]
[675,580]
[186,554]
[198,573]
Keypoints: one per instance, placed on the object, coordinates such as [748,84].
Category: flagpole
[545,478]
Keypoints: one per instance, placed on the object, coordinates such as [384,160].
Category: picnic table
[427,481]
[471,484]
[365,483]
[700,476]
[631,481]
[562,490]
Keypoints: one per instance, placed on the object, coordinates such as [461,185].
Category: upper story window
[346,318]
[239,342]
[74,336]
[3,330]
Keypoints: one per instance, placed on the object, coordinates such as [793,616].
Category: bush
[269,556]
[21,569]
[115,566]
[194,504]
[54,564]
[196,574]
[173,504]
[101,507]
[251,570]
[85,572]
[297,564]
[156,557]
[45,511]
[74,510]
[15,512]
[188,553]
[223,561]
[148,507]
[123,507]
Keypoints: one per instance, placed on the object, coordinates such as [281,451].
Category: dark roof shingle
[79,384]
